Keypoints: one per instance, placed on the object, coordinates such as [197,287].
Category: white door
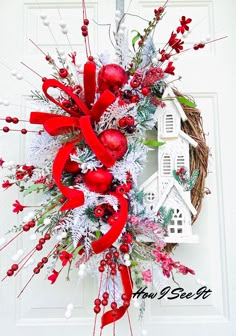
[208,76]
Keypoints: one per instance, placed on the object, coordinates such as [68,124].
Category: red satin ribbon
[111,236]
[93,142]
[89,82]
[127,283]
[80,106]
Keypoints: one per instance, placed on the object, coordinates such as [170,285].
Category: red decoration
[124,248]
[111,77]
[98,180]
[115,142]
[71,166]
[53,277]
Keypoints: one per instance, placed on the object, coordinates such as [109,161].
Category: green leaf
[134,263]
[152,143]
[78,249]
[186,101]
[98,234]
[135,38]
[34,187]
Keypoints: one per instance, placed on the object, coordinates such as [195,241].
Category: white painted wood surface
[208,75]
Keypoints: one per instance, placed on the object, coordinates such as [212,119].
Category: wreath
[85,159]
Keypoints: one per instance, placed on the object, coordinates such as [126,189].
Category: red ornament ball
[115,142]
[111,77]
[63,73]
[98,180]
[127,238]
[124,248]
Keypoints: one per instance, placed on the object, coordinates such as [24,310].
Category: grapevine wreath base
[85,158]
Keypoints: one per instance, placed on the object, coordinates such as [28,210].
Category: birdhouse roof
[169,92]
[184,196]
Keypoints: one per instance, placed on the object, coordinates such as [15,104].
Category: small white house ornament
[161,188]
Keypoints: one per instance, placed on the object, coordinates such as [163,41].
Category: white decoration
[2,241]
[70,306]
[47,221]
[68,314]
[162,189]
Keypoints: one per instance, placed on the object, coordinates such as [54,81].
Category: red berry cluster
[158,13]
[84,28]
[181,173]
[13,120]
[126,239]
[198,46]
[28,226]
[40,265]
[127,123]
[13,269]
[111,262]
[42,241]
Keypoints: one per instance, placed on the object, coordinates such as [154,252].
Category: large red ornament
[98,180]
[111,77]
[115,142]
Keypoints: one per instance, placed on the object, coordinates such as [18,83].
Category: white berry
[68,314]
[64,31]
[62,24]
[30,215]
[144,332]
[46,23]
[208,38]
[19,76]
[63,235]
[2,241]
[81,273]
[82,267]
[20,252]
[70,306]
[136,304]
[43,16]
[126,256]
[13,72]
[127,263]
[47,221]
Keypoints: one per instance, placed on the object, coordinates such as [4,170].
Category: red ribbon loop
[75,197]
[80,109]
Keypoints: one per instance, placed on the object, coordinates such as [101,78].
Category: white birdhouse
[162,188]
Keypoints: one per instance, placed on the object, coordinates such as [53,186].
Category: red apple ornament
[98,180]
[111,77]
[115,142]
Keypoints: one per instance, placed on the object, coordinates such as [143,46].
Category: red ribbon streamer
[127,283]
[93,142]
[111,236]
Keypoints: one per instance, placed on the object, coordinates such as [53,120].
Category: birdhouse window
[176,225]
[169,124]
[150,197]
[166,165]
[180,161]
